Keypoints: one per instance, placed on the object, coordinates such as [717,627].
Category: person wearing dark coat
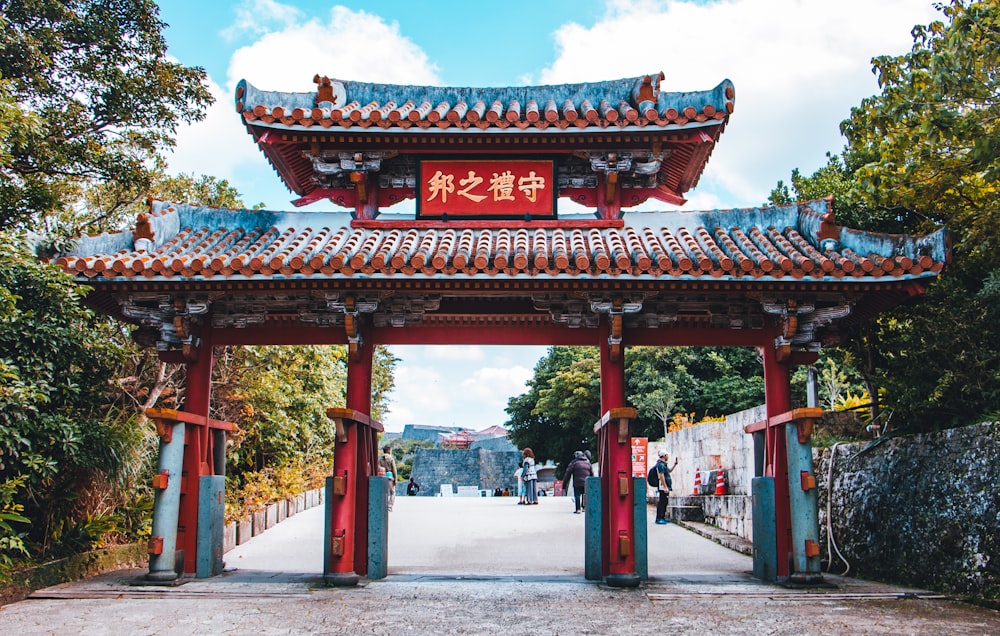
[578,471]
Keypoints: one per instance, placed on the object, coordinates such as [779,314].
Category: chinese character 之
[471,182]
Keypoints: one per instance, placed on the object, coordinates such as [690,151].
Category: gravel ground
[485,566]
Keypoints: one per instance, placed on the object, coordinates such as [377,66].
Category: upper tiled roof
[777,243]
[630,102]
[324,143]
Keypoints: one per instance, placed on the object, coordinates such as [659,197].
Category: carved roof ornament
[329,93]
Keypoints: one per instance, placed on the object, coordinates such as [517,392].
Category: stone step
[685,513]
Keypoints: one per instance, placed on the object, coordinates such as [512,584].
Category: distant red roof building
[461,439]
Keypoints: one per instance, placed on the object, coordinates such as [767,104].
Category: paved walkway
[485,566]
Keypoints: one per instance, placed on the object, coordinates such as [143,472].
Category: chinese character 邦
[440,183]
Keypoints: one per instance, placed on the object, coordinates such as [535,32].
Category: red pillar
[349,510]
[359,398]
[778,398]
[197,449]
[618,536]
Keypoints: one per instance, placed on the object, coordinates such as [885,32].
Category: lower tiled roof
[786,242]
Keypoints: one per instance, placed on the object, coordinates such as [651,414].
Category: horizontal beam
[336,413]
[618,413]
[514,334]
[173,415]
[789,417]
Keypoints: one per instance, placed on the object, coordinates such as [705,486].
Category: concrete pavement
[485,566]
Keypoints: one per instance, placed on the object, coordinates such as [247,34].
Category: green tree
[920,154]
[279,396]
[556,415]
[56,361]
[89,96]
[706,381]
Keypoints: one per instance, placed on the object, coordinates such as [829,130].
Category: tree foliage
[89,96]
[56,360]
[556,415]
[279,396]
[923,153]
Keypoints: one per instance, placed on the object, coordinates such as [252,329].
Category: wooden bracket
[352,327]
[623,434]
[155,545]
[623,480]
[165,430]
[615,339]
[812,548]
[808,481]
[161,479]
[360,186]
[805,430]
[624,544]
[337,542]
[340,484]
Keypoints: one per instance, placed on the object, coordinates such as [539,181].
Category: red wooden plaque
[487,189]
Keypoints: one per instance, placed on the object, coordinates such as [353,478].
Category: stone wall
[711,446]
[923,511]
[707,448]
[486,470]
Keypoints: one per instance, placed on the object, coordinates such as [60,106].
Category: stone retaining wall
[242,530]
[923,511]
[708,447]
[486,470]
[24,582]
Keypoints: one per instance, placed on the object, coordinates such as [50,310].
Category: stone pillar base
[341,579]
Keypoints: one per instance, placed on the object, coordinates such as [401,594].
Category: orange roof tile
[750,244]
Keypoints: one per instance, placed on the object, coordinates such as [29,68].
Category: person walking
[577,472]
[665,486]
[412,488]
[388,463]
[530,477]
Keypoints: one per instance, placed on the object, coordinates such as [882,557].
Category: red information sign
[487,188]
[640,450]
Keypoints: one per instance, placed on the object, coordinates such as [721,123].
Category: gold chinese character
[502,186]
[530,185]
[471,182]
[440,183]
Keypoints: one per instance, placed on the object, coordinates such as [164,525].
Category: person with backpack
[659,478]
[577,472]
[387,467]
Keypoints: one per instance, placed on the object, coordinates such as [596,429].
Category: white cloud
[420,394]
[492,386]
[798,68]
[218,145]
[349,46]
[287,52]
[255,17]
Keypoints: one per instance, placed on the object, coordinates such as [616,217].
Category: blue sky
[798,67]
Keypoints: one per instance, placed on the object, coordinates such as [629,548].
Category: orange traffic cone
[697,482]
[720,483]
